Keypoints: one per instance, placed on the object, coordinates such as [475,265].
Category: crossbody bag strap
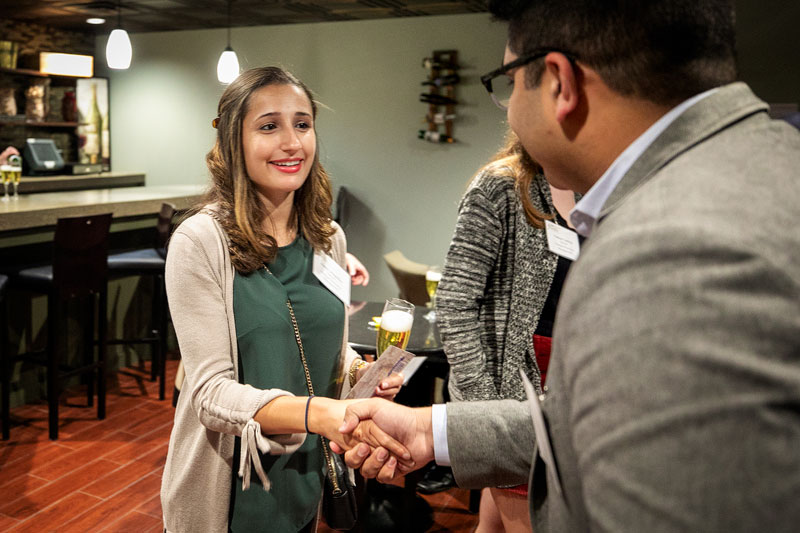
[328,459]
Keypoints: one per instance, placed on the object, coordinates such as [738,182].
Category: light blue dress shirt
[583,217]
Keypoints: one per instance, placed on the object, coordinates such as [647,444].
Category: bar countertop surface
[44,209]
[103,180]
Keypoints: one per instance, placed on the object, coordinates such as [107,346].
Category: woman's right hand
[326,418]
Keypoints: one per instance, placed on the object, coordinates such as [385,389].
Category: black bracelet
[308,402]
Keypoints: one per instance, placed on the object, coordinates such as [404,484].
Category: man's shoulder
[713,171]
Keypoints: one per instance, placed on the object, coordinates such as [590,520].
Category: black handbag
[338,495]
[339,507]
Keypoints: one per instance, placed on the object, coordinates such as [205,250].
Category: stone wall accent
[35,38]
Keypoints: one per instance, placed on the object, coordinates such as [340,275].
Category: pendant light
[118,48]
[228,64]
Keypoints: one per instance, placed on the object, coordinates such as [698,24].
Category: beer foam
[433,276]
[396,321]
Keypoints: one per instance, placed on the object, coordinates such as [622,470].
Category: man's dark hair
[660,50]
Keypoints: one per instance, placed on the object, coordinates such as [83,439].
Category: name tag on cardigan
[562,241]
[332,276]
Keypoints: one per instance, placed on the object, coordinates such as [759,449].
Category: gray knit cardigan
[494,286]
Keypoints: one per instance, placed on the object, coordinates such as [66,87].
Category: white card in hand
[392,360]
[542,436]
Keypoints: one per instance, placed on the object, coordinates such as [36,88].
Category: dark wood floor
[105,475]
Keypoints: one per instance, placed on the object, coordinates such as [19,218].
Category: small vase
[69,110]
[35,110]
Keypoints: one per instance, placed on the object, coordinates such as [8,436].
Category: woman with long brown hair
[254,323]
[496,300]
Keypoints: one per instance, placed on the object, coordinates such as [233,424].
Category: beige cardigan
[213,406]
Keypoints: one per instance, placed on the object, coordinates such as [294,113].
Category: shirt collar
[585,213]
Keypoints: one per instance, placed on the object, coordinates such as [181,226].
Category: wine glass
[395,327]
[432,278]
[15,169]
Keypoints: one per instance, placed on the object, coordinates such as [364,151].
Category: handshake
[384,439]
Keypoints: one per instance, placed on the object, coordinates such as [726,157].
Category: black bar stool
[79,271]
[4,364]
[150,262]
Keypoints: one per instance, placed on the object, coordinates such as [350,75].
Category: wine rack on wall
[443,77]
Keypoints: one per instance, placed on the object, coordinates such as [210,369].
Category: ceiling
[171,15]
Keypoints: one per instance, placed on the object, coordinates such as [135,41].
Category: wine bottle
[105,140]
[435,137]
[440,118]
[431,63]
[437,99]
[94,129]
[450,79]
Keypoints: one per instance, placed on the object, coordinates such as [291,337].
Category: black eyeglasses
[501,96]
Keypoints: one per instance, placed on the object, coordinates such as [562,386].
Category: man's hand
[410,427]
[325,417]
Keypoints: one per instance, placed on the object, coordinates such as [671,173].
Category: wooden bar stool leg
[53,354]
[88,344]
[5,361]
[155,302]
[102,352]
[162,336]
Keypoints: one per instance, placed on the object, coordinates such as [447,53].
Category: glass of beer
[5,177]
[432,278]
[395,327]
[15,168]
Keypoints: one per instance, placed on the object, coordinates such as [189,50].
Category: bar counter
[103,180]
[44,209]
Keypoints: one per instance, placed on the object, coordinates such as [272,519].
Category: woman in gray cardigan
[241,284]
[496,283]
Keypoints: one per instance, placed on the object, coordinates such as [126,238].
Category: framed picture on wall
[94,139]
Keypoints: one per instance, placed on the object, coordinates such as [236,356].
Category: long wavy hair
[513,162]
[238,208]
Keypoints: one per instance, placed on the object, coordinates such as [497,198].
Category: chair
[79,271]
[150,262]
[410,277]
[343,201]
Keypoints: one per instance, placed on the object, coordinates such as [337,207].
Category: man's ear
[563,83]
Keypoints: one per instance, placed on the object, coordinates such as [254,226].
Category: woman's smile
[288,166]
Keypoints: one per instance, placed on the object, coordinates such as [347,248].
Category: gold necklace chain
[325,451]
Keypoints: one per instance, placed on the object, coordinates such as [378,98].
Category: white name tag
[335,278]
[562,241]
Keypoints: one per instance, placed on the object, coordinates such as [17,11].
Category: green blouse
[269,358]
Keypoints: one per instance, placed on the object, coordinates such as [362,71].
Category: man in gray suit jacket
[674,385]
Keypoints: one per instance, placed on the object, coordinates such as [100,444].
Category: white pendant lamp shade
[228,66]
[118,50]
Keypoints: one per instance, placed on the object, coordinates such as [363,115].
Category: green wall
[367,75]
